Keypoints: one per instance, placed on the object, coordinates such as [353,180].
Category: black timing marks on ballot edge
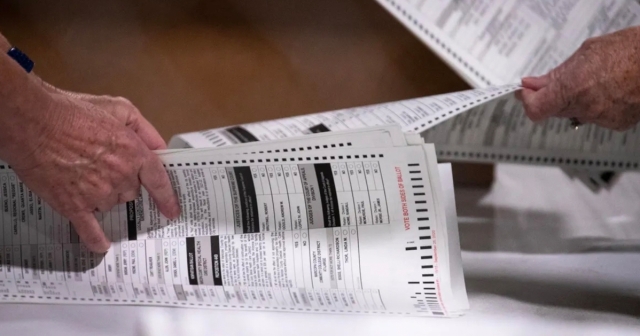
[242,135]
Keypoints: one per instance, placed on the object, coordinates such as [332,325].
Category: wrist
[4,44]
[23,111]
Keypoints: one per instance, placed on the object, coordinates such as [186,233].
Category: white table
[542,255]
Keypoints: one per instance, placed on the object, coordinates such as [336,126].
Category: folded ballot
[359,222]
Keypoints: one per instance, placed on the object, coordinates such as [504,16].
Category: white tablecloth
[542,255]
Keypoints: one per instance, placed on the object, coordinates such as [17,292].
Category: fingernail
[175,210]
[527,80]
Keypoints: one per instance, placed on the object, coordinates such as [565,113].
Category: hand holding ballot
[599,84]
[80,153]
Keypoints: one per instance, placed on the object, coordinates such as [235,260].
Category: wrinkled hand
[93,153]
[599,84]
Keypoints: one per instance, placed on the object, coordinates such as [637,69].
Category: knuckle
[124,164]
[129,196]
[103,190]
[113,162]
[68,209]
[127,104]
[127,169]
[122,100]
[589,43]
[128,143]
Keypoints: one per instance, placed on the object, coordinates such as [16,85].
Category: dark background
[195,64]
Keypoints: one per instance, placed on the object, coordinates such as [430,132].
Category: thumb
[536,83]
[543,103]
[89,231]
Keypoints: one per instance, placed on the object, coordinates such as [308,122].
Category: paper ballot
[356,222]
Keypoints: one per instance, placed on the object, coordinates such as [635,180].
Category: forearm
[22,105]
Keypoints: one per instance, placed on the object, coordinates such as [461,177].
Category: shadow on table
[490,228]
[495,229]
[558,294]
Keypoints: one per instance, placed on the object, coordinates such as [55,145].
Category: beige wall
[190,65]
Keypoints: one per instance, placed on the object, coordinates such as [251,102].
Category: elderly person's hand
[80,153]
[599,84]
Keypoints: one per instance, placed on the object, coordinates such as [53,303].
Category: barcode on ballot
[215,138]
[434,307]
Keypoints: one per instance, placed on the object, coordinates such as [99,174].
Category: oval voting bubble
[296,236]
[173,243]
[278,168]
[165,244]
[253,170]
[182,243]
[304,235]
[286,168]
[345,232]
[270,169]
[353,231]
[141,244]
[337,232]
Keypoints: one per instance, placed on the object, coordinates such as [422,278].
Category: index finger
[149,134]
[89,231]
[155,179]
